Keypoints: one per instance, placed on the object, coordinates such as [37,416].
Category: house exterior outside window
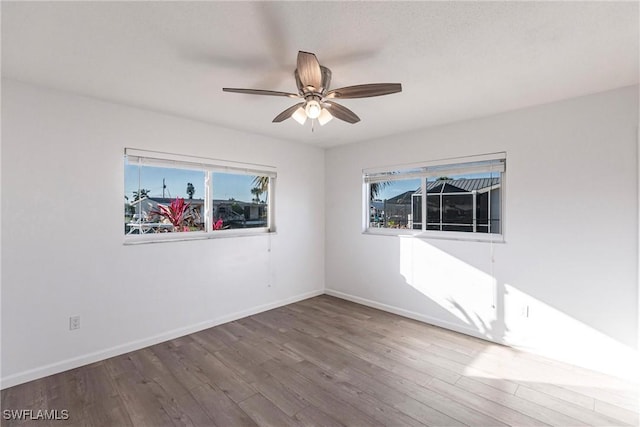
[464,197]
[170,196]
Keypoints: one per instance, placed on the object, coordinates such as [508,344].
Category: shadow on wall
[480,305]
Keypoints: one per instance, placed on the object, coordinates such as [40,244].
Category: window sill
[440,235]
[182,237]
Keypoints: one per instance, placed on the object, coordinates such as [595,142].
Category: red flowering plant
[175,213]
[219,225]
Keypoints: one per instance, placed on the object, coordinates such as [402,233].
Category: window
[172,196]
[391,204]
[240,201]
[448,198]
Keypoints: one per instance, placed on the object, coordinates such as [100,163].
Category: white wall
[571,227]
[570,255]
[62,235]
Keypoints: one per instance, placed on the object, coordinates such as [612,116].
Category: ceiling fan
[313,82]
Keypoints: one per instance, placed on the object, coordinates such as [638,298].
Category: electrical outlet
[74,322]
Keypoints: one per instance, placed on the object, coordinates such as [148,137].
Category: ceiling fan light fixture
[313,109]
[316,100]
[300,115]
[324,117]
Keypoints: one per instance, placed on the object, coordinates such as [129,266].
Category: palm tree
[375,188]
[262,182]
[137,195]
[256,191]
[190,190]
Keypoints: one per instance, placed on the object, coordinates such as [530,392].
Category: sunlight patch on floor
[503,313]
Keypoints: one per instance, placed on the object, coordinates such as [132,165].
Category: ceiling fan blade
[365,91]
[287,113]
[309,70]
[342,113]
[260,92]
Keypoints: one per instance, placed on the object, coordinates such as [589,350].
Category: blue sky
[225,185]
[398,187]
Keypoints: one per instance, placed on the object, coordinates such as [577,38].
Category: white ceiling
[455,60]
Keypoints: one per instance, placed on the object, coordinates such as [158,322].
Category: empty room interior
[320,213]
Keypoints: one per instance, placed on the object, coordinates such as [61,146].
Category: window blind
[436,169]
[158,159]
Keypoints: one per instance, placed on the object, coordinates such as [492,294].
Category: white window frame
[209,167]
[431,169]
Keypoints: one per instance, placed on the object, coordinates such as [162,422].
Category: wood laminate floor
[328,362]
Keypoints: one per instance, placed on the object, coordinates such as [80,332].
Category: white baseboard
[625,368]
[410,314]
[75,362]
[64,365]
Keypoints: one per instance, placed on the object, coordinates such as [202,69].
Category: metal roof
[463,184]
[401,199]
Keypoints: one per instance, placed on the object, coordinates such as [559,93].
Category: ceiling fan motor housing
[309,90]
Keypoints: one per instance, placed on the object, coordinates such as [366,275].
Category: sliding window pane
[391,203]
[163,200]
[240,201]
